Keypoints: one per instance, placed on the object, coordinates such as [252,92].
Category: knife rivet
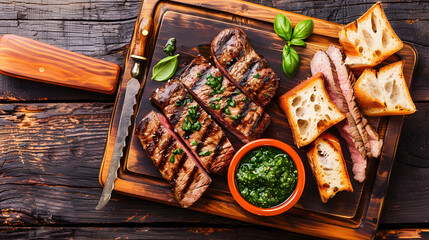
[135,71]
[145,32]
[41,69]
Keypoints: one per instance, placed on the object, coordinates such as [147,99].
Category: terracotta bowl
[286,204]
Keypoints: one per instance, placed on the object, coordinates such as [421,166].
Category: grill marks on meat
[185,174]
[348,127]
[363,141]
[251,120]
[346,81]
[209,138]
[238,61]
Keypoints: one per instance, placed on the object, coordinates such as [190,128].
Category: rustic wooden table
[52,138]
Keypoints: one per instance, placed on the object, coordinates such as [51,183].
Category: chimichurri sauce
[266,177]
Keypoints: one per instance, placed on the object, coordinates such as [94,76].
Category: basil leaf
[290,61]
[303,29]
[283,27]
[165,68]
[297,42]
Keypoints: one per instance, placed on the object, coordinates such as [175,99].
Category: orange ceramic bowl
[294,197]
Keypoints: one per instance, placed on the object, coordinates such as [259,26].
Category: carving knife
[131,90]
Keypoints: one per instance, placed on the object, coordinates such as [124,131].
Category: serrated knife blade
[131,91]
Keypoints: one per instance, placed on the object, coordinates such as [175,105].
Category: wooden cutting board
[194,25]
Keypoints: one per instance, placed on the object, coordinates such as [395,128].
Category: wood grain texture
[49,164]
[356,217]
[99,29]
[29,59]
[169,231]
[180,26]
[103,29]
[404,233]
[411,166]
[56,182]
[64,10]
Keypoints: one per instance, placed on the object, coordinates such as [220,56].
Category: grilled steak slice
[209,143]
[238,61]
[179,167]
[224,101]
[348,128]
[346,81]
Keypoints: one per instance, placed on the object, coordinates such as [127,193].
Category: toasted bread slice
[328,166]
[369,40]
[384,93]
[309,110]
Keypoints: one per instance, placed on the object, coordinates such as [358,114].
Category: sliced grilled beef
[209,143]
[175,163]
[346,81]
[348,128]
[224,101]
[237,60]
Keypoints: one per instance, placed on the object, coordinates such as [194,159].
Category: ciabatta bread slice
[309,110]
[369,40]
[384,93]
[328,166]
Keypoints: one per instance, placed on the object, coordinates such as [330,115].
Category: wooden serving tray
[194,25]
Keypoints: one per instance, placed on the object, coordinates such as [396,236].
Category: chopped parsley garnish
[214,106]
[199,75]
[205,153]
[246,99]
[178,151]
[194,143]
[235,117]
[216,99]
[170,46]
[257,76]
[186,100]
[231,102]
[191,124]
[216,84]
[227,111]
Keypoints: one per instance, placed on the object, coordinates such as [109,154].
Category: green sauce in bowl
[266,177]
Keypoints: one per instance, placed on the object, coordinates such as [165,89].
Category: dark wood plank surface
[52,138]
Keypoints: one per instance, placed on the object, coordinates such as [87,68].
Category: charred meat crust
[174,101]
[245,119]
[187,178]
[238,61]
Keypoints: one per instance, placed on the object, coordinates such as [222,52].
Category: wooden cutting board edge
[362,229]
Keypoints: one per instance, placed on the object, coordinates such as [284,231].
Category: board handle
[32,60]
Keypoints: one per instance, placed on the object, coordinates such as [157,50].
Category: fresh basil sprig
[303,29]
[293,37]
[297,42]
[290,61]
[283,27]
[165,68]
